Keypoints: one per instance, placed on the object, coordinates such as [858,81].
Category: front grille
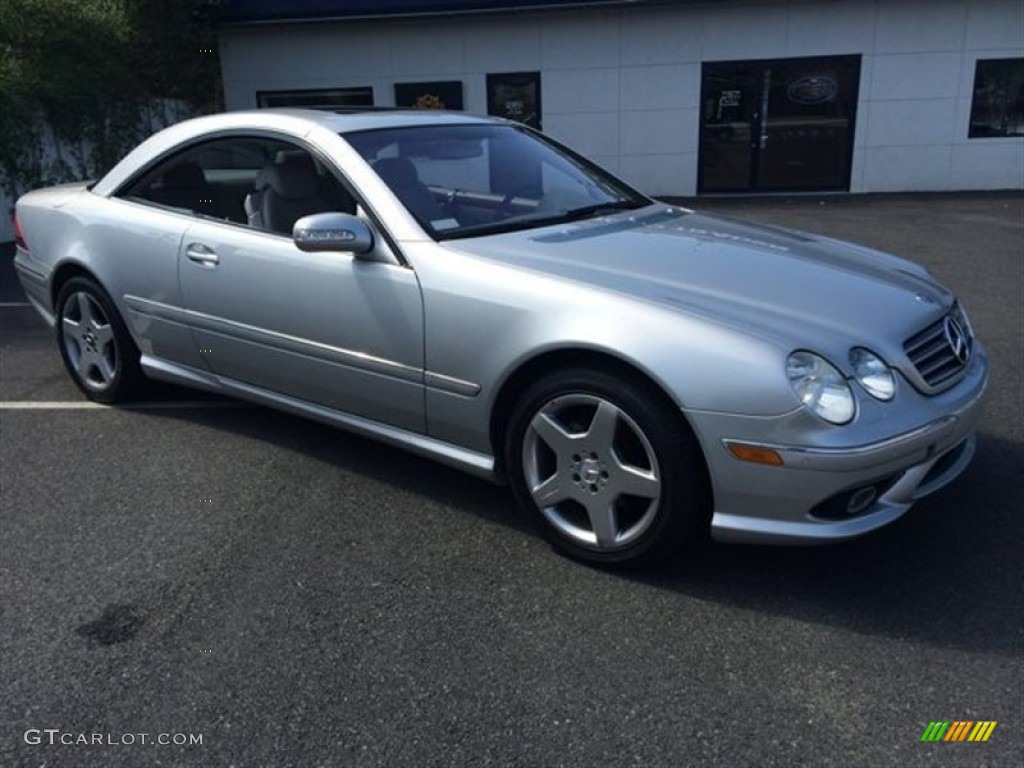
[941,351]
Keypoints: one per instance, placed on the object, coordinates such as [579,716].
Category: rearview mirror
[462,149]
[332,232]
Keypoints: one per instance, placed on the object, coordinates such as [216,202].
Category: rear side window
[255,181]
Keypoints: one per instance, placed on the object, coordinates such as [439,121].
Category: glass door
[731,93]
[782,124]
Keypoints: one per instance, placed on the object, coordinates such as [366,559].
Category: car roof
[360,120]
[298,122]
[336,122]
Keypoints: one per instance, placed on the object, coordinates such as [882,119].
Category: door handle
[200,254]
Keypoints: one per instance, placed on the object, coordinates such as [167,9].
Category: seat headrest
[185,174]
[294,179]
[397,172]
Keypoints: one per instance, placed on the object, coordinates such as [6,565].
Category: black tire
[650,438]
[103,363]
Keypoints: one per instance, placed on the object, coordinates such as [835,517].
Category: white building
[679,98]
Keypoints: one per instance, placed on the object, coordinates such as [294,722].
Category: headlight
[872,373]
[820,386]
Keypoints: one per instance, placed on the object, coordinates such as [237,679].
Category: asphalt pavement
[297,596]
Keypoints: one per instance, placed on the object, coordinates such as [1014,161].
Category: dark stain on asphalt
[117,624]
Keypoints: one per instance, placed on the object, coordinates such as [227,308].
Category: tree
[81,81]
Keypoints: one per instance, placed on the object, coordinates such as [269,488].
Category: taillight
[19,236]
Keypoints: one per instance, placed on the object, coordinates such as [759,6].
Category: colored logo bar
[958,730]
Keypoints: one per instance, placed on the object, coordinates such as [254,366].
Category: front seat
[336,195]
[284,193]
[185,186]
[400,174]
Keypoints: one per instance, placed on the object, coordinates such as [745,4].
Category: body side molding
[479,464]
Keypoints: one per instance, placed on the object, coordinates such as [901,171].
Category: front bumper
[897,453]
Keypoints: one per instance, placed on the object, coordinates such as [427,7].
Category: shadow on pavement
[10,288]
[948,573]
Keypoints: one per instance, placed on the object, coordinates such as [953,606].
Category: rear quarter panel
[128,248]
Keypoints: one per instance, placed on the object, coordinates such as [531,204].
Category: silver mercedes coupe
[467,288]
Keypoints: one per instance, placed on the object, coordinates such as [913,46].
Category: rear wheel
[606,467]
[95,345]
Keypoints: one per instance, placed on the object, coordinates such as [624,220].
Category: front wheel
[606,467]
[95,345]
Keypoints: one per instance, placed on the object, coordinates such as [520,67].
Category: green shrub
[81,81]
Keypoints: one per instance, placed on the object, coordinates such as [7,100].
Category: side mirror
[332,232]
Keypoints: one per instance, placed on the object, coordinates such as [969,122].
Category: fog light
[861,500]
[848,504]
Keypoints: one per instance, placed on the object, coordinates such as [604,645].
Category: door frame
[757,125]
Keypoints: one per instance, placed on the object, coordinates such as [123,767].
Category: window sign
[443,95]
[515,96]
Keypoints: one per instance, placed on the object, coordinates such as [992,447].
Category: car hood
[790,286]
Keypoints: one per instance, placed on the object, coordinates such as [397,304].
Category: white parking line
[87,405]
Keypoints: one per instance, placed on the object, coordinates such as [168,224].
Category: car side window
[259,182]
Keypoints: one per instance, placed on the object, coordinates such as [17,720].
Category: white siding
[623,85]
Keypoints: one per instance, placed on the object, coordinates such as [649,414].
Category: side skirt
[479,464]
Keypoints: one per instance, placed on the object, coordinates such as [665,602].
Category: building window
[334,99]
[778,124]
[515,96]
[997,108]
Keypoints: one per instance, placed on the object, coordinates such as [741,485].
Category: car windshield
[468,180]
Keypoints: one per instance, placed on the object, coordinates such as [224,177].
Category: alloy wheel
[591,471]
[88,339]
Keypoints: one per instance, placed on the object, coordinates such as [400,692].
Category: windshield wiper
[532,220]
[496,227]
[575,214]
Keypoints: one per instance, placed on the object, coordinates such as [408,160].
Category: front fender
[485,320]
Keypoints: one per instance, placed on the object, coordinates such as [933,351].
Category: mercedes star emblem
[957,340]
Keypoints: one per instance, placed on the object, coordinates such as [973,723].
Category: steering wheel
[504,208]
